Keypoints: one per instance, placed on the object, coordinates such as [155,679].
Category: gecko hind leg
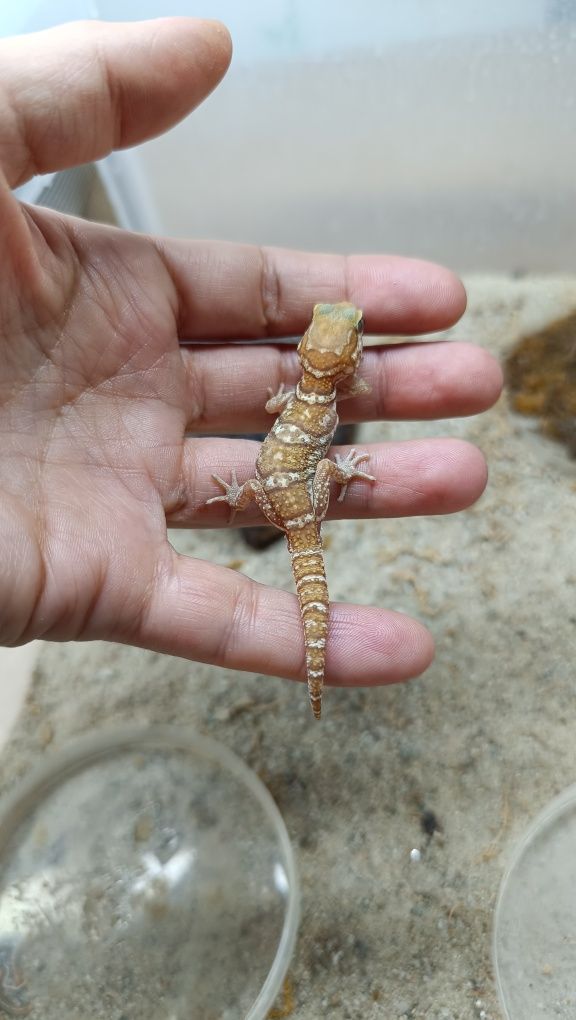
[237,496]
[347,470]
[343,471]
[278,401]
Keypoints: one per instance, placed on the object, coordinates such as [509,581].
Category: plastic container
[148,873]
[535,923]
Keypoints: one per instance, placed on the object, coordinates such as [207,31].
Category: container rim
[555,807]
[87,749]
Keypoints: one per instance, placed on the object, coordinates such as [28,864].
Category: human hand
[96,393]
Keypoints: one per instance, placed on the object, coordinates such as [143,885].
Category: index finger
[236,291]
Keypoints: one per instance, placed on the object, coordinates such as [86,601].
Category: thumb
[72,94]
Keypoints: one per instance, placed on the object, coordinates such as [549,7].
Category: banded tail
[305,547]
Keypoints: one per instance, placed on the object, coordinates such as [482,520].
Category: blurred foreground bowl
[144,872]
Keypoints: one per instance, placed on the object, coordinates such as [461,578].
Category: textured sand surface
[480,743]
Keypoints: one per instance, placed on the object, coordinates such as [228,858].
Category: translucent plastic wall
[438,128]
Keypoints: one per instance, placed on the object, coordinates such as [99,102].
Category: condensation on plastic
[430,128]
[436,129]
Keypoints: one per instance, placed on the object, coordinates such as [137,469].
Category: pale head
[331,347]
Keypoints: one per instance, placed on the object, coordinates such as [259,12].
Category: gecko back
[293,475]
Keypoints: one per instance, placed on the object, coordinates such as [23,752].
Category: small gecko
[293,474]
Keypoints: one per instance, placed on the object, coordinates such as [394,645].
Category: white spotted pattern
[300,522]
[282,479]
[315,398]
[309,579]
[315,550]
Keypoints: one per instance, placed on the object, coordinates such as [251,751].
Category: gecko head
[332,345]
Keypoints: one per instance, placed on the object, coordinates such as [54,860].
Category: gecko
[293,473]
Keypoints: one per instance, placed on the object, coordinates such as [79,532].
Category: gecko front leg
[347,468]
[343,470]
[278,401]
[353,387]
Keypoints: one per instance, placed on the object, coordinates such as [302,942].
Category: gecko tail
[315,702]
[310,579]
[315,620]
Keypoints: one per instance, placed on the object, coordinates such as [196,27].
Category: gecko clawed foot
[348,470]
[231,494]
[353,387]
[277,401]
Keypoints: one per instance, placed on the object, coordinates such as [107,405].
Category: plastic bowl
[144,872]
[535,922]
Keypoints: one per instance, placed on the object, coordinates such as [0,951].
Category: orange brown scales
[292,479]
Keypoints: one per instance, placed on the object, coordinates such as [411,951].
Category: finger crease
[270,291]
[241,621]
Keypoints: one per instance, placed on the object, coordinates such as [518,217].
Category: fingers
[72,94]
[432,476]
[232,291]
[228,385]
[212,614]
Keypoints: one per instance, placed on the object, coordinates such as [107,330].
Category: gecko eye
[360,326]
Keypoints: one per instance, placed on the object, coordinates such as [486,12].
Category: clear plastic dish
[144,872]
[535,922]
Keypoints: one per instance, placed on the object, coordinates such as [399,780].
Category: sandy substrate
[478,745]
